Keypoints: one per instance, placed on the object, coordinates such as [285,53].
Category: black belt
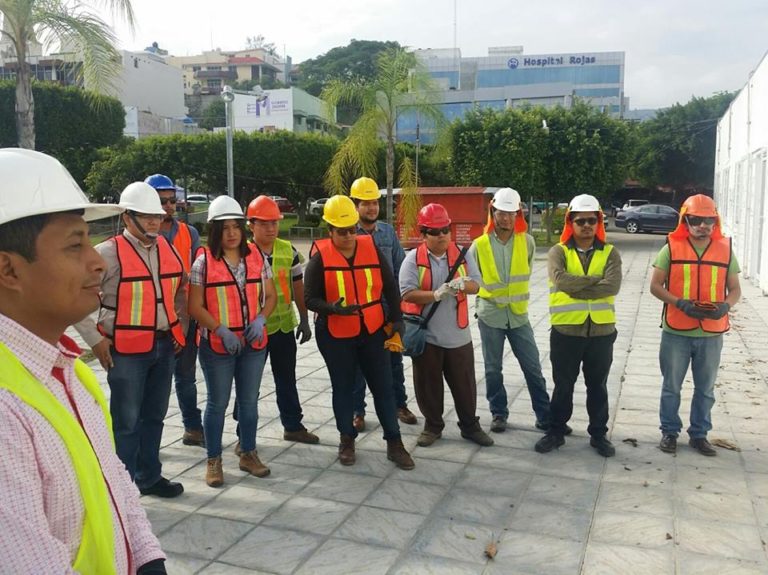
[162,334]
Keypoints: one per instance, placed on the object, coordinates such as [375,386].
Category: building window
[195,68]
[213,68]
[214,83]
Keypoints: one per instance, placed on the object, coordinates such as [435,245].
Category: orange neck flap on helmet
[681,231]
[568,227]
[520,224]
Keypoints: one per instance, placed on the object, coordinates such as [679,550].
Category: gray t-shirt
[442,329]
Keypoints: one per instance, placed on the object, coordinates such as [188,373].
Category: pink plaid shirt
[41,511]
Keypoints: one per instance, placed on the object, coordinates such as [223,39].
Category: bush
[558,219]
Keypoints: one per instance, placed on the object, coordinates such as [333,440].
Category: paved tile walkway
[568,512]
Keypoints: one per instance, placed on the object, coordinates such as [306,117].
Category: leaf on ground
[645,484]
[470,536]
[627,468]
[725,444]
[490,550]
[669,536]
[630,440]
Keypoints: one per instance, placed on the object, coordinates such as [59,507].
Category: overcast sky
[674,48]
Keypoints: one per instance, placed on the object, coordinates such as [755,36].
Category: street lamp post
[228,95]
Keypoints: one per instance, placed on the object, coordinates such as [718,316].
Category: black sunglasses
[167,201]
[585,221]
[698,220]
[346,231]
[437,231]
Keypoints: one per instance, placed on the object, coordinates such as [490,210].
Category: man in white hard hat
[68,504]
[584,278]
[141,326]
[503,255]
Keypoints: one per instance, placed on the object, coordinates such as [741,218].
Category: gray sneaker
[499,424]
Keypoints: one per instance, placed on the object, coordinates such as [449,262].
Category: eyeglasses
[585,221]
[437,231]
[698,220]
[346,231]
[164,201]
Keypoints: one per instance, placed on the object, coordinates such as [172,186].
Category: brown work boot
[396,452]
[427,438]
[214,475]
[301,436]
[359,423]
[347,450]
[406,416]
[250,462]
[193,437]
[238,450]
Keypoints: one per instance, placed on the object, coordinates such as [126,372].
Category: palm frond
[410,200]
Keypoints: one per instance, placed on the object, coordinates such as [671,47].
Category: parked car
[198,199]
[648,218]
[633,204]
[181,203]
[316,206]
[284,205]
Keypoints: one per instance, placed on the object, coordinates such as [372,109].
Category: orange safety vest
[698,278]
[425,283]
[360,284]
[182,241]
[137,299]
[224,301]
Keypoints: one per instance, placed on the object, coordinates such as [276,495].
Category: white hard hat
[142,198]
[506,200]
[225,208]
[584,203]
[34,183]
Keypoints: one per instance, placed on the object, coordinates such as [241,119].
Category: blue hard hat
[160,182]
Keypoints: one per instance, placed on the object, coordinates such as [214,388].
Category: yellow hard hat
[340,212]
[365,189]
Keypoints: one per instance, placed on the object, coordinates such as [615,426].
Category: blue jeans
[524,347]
[140,386]
[343,357]
[184,377]
[676,353]
[398,381]
[219,371]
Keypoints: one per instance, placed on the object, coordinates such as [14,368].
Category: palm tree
[63,21]
[400,84]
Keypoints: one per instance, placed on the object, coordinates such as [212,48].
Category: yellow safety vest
[565,310]
[96,554]
[515,293]
[282,317]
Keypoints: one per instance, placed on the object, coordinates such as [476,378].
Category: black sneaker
[163,488]
[546,427]
[499,424]
[549,442]
[668,443]
[703,446]
[603,446]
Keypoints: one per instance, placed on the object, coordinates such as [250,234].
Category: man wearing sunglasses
[345,283]
[186,240]
[696,275]
[584,278]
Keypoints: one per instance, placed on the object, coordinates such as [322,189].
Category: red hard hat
[263,208]
[433,216]
[699,205]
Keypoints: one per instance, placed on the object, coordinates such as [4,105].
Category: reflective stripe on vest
[96,553]
[136,311]
[566,310]
[282,317]
[425,282]
[182,241]
[224,301]
[515,293]
[360,284]
[698,278]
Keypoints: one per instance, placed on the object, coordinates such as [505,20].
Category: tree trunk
[390,178]
[25,103]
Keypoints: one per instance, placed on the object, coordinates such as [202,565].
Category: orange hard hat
[433,216]
[699,205]
[263,208]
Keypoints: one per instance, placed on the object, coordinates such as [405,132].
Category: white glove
[458,284]
[444,292]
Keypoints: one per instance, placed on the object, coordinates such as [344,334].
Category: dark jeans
[186,387]
[140,386]
[458,367]
[343,357]
[398,381]
[281,348]
[594,355]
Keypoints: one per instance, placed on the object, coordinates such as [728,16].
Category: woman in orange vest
[231,295]
[344,284]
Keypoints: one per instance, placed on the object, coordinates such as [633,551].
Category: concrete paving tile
[309,514]
[470,505]
[271,550]
[308,455]
[345,487]
[532,553]
[619,497]
[163,518]
[286,478]
[551,519]
[632,529]
[491,480]
[196,494]
[250,503]
[383,527]
[406,496]
[420,564]
[430,471]
[572,492]
[755,461]
[373,463]
[758,484]
[455,540]
[720,539]
[716,506]
[640,472]
[339,556]
[695,564]
[457,449]
[525,460]
[575,459]
[610,559]
[184,564]
[204,537]
[691,479]
[217,568]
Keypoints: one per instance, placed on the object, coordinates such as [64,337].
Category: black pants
[594,355]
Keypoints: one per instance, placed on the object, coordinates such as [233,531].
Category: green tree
[399,85]
[59,20]
[214,116]
[677,147]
